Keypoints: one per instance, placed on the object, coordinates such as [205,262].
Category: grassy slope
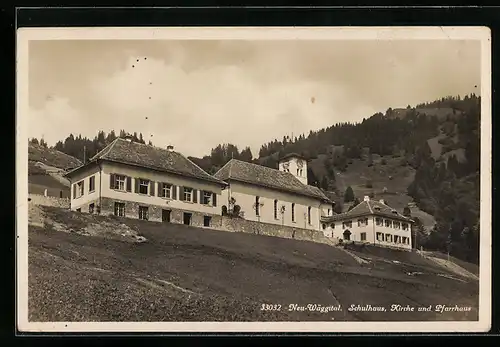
[216,275]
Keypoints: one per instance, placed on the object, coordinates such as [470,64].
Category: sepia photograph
[254,179]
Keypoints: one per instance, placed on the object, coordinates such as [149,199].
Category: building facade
[134,180]
[274,196]
[370,222]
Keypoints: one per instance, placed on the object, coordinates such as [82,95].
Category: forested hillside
[428,153]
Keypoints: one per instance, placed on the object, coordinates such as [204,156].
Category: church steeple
[296,165]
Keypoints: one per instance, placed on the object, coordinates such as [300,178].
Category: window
[188,194]
[405,239]
[405,226]
[119,209]
[120,182]
[380,237]
[332,225]
[78,210]
[275,209]
[323,226]
[257,206]
[397,239]
[388,223]
[347,224]
[165,216]
[207,198]
[166,190]
[297,172]
[91,208]
[143,186]
[388,238]
[362,222]
[378,221]
[207,220]
[328,212]
[300,174]
[91,184]
[143,212]
[293,212]
[396,225]
[363,236]
[309,215]
[78,190]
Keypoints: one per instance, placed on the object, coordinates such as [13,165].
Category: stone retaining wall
[38,199]
[276,230]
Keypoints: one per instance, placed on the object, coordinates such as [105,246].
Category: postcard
[265,179]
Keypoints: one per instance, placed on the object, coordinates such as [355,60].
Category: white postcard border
[24,35]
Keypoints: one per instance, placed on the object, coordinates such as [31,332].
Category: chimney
[366,198]
[170,148]
[382,201]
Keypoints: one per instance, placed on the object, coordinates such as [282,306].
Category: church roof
[263,176]
[293,155]
[367,208]
[151,157]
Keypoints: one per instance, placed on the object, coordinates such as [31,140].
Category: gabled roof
[292,155]
[367,208]
[263,176]
[151,157]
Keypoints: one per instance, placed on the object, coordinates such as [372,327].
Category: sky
[196,94]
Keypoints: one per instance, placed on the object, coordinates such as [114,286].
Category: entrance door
[187,218]
[165,216]
[347,235]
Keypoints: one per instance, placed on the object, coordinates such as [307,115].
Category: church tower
[296,165]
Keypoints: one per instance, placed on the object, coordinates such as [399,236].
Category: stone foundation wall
[155,213]
[216,221]
[259,228]
[38,199]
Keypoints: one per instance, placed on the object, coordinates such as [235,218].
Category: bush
[236,210]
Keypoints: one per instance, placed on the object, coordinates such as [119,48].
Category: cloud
[197,94]
[55,115]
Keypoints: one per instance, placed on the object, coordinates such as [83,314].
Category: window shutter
[152,188]
[181,193]
[174,192]
[74,191]
[112,181]
[214,199]
[129,184]
[195,196]
[83,187]
[136,188]
[159,187]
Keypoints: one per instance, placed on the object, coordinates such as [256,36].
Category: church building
[276,196]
